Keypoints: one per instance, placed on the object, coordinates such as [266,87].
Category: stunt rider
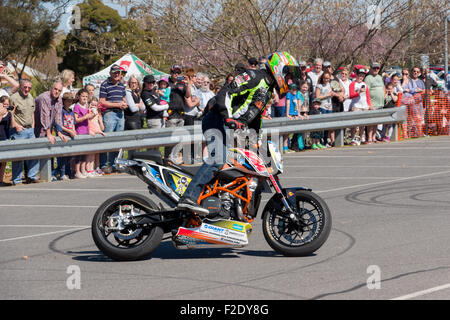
[238,106]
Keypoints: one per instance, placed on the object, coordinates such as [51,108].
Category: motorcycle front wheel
[293,239]
[114,233]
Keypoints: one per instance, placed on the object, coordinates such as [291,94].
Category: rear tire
[131,243]
[289,239]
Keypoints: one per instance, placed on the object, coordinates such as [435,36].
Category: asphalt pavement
[390,239]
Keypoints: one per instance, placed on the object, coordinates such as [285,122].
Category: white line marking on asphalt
[40,226]
[346,178]
[423,292]
[45,206]
[40,234]
[383,182]
[88,190]
[373,167]
[361,156]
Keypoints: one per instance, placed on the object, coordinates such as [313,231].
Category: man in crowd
[253,63]
[376,88]
[179,91]
[315,74]
[151,99]
[48,114]
[113,98]
[206,93]
[22,127]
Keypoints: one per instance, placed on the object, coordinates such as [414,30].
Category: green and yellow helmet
[280,64]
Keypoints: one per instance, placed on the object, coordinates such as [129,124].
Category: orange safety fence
[427,114]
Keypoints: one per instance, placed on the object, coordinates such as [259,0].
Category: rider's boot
[186,203]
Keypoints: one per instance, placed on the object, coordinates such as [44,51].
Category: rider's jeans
[213,128]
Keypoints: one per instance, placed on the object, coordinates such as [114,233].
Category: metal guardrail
[41,148]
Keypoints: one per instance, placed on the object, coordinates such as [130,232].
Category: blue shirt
[68,121]
[112,92]
[292,104]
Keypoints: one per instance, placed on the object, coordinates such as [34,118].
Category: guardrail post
[394,136]
[45,168]
[339,137]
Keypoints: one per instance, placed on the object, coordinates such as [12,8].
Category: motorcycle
[130,226]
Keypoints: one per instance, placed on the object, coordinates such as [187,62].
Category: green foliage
[26,29]
[103,37]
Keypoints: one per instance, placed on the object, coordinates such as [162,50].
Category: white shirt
[3,92]
[360,102]
[315,78]
[346,85]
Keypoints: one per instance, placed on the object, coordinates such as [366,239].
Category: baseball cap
[164,79]
[326,64]
[362,70]
[375,65]
[302,64]
[176,67]
[115,68]
[253,61]
[240,67]
[316,100]
[149,79]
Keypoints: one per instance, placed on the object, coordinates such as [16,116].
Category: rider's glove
[234,124]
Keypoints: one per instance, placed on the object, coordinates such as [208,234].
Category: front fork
[288,199]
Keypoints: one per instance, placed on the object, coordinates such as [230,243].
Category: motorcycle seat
[192,170]
[151,155]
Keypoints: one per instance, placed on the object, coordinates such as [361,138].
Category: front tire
[290,239]
[131,243]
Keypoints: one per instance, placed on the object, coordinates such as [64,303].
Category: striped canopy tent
[130,63]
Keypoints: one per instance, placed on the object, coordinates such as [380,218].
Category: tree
[104,36]
[214,35]
[27,29]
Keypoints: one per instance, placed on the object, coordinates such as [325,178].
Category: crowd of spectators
[182,99]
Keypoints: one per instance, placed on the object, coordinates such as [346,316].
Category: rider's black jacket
[246,98]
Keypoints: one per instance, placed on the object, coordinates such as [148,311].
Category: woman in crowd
[5,121]
[135,105]
[412,92]
[67,78]
[359,94]
[325,93]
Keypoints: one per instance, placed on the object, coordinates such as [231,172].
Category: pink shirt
[83,126]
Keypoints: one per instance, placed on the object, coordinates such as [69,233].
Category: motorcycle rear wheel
[131,243]
[289,239]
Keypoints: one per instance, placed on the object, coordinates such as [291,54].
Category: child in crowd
[293,112]
[82,116]
[96,126]
[164,95]
[316,136]
[291,103]
[164,91]
[390,101]
[63,171]
[303,98]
